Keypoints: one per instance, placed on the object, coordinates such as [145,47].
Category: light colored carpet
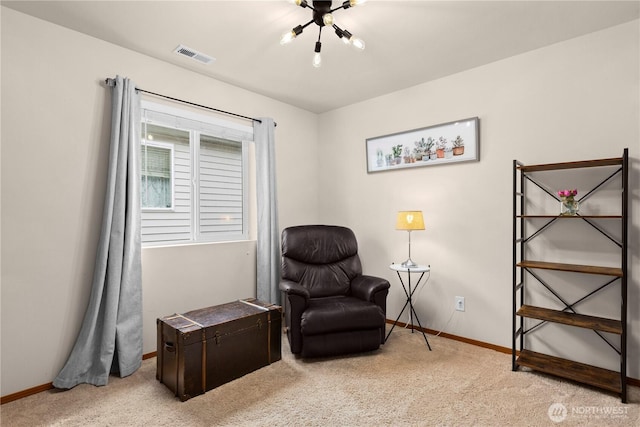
[402,384]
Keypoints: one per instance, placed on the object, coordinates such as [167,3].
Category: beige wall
[575,100]
[55,120]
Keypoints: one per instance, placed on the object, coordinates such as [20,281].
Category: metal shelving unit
[525,273]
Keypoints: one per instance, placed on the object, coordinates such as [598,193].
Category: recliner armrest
[366,287]
[294,288]
[296,301]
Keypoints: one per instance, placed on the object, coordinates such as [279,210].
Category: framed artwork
[433,145]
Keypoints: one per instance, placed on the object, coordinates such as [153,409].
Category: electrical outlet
[459,302]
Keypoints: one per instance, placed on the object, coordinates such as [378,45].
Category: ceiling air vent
[194,54]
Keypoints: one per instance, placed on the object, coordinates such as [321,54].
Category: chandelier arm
[337,8]
[307,24]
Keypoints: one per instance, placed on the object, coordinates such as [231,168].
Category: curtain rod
[112,82]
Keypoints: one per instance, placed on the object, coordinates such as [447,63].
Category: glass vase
[569,206]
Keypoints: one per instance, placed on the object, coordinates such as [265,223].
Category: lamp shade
[410,220]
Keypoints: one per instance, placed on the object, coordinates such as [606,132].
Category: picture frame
[452,142]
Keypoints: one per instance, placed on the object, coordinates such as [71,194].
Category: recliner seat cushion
[335,314]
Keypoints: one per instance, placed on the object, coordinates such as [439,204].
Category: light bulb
[327,18]
[345,36]
[357,43]
[356,2]
[290,35]
[354,41]
[287,37]
[317,59]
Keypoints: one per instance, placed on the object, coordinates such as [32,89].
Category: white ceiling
[407,42]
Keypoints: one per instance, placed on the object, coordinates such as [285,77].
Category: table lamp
[409,220]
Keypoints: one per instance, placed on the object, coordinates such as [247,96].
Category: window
[193,177]
[156,170]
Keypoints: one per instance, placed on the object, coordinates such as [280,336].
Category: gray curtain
[110,339]
[268,250]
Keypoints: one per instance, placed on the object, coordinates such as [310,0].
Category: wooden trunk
[203,349]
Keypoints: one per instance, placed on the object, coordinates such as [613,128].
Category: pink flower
[568,193]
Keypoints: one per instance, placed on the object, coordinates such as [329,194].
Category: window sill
[191,244]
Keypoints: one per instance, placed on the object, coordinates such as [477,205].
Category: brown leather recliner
[330,307]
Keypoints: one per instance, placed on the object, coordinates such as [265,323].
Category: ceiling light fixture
[323,17]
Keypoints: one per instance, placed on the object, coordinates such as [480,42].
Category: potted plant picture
[421,149]
[448,152]
[458,146]
[440,146]
[430,152]
[407,155]
[428,149]
[428,146]
[397,153]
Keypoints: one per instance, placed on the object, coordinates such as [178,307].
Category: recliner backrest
[322,258]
